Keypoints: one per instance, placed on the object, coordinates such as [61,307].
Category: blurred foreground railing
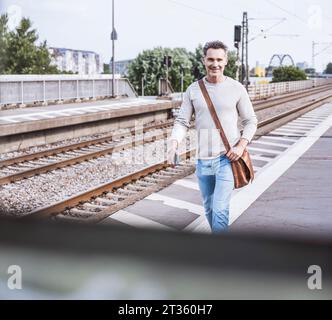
[68,261]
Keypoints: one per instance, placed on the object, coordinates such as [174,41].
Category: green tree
[288,73]
[150,65]
[196,58]
[21,53]
[328,68]
[181,63]
[231,68]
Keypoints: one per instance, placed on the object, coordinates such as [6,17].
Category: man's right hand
[172,148]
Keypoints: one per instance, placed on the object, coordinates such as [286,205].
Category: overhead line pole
[114,37]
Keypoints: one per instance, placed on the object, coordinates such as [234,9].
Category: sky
[289,26]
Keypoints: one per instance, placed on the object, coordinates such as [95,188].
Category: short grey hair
[214,45]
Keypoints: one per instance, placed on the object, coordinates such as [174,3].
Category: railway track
[262,105]
[26,166]
[100,202]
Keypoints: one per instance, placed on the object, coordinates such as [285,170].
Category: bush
[288,73]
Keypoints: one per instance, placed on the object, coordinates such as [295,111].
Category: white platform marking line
[298,127]
[266,145]
[172,202]
[264,150]
[91,111]
[102,108]
[62,113]
[279,138]
[289,130]
[134,220]
[246,196]
[275,132]
[47,116]
[68,112]
[29,117]
[199,225]
[283,145]
[311,119]
[314,116]
[8,119]
[80,110]
[187,184]
[304,125]
[312,122]
[294,133]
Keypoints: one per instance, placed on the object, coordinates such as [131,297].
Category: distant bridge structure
[279,60]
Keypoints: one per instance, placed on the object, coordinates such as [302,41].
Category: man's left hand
[235,153]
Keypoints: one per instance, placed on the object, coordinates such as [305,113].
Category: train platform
[291,192]
[40,118]
[35,126]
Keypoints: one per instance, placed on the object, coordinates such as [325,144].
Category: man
[213,165]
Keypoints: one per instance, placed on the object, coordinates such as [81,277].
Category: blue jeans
[216,183]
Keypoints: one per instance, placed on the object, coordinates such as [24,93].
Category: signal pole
[237,40]
[245,56]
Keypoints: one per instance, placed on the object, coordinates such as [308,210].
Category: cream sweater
[231,102]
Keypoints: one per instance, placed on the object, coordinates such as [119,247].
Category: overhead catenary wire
[268,29]
[287,11]
[203,11]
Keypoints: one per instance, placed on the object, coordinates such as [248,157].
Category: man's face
[215,62]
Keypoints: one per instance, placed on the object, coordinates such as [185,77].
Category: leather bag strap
[214,115]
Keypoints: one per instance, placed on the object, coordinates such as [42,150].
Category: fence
[261,91]
[27,89]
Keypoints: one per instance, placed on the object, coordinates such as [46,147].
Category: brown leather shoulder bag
[243,171]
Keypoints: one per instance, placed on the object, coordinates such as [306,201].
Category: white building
[77,61]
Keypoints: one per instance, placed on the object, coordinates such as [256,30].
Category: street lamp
[114,36]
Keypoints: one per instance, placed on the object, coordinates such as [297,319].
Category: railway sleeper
[79,213]
[106,202]
[113,196]
[145,183]
[62,217]
[135,188]
[159,176]
[153,180]
[167,173]
[93,207]
[126,191]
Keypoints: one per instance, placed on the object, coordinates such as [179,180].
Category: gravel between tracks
[42,190]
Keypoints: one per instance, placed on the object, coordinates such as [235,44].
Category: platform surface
[291,192]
